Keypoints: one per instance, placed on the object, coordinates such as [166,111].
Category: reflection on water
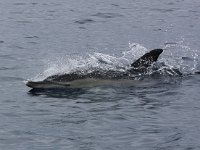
[57,93]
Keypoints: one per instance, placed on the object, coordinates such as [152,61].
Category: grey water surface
[151,114]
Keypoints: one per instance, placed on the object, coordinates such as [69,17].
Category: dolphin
[67,80]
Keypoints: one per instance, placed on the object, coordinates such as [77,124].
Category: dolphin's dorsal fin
[147,59]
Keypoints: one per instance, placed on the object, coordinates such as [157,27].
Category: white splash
[175,56]
[181,56]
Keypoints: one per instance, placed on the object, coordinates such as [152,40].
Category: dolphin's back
[97,74]
[138,66]
[65,77]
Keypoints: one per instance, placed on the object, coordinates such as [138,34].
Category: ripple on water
[107,15]
[8,68]
[31,37]
[24,22]
[10,79]
[116,5]
[84,21]
[162,10]
[19,4]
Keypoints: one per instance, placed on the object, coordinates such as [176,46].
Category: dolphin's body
[99,76]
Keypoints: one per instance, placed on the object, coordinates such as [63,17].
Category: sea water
[41,38]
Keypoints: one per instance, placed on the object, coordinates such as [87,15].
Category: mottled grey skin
[139,66]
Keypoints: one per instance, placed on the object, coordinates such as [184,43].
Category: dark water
[39,37]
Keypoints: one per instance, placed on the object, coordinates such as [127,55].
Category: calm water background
[151,114]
